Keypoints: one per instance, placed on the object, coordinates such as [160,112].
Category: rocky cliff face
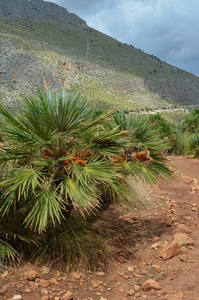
[37,9]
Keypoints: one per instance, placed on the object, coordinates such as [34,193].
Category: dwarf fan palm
[57,157]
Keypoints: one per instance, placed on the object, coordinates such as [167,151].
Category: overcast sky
[168,29]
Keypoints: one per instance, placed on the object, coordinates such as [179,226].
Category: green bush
[193,145]
[61,162]
[191,121]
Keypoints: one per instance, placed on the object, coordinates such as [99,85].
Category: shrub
[193,145]
[60,162]
[191,121]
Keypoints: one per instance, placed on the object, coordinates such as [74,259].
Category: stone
[131,269]
[95,284]
[150,284]
[54,280]
[169,252]
[136,288]
[45,283]
[32,275]
[17,297]
[27,291]
[4,275]
[75,275]
[156,245]
[100,274]
[157,268]
[45,298]
[121,259]
[182,239]
[131,292]
[155,239]
[183,250]
[67,296]
[44,292]
[183,257]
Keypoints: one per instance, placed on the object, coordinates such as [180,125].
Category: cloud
[168,29]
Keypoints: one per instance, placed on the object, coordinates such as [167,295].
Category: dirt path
[138,238]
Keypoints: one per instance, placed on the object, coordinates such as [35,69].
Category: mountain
[37,9]
[45,46]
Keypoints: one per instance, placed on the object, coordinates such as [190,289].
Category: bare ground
[137,238]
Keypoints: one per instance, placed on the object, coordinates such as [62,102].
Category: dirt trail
[138,237]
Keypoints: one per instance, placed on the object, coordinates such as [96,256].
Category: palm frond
[23,181]
[42,209]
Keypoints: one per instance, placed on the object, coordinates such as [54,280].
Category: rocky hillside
[44,46]
[37,9]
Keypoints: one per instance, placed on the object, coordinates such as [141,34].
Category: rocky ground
[155,255]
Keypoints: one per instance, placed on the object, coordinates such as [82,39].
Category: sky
[168,29]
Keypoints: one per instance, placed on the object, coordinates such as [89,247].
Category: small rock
[183,257]
[121,259]
[67,296]
[95,284]
[157,268]
[53,280]
[44,292]
[17,297]
[4,275]
[183,250]
[182,239]
[155,239]
[171,251]
[169,221]
[156,245]
[136,288]
[150,284]
[100,274]
[27,291]
[149,262]
[32,275]
[45,298]
[131,269]
[75,275]
[45,283]
[131,292]
[194,209]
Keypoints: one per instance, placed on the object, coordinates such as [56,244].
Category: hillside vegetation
[47,52]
